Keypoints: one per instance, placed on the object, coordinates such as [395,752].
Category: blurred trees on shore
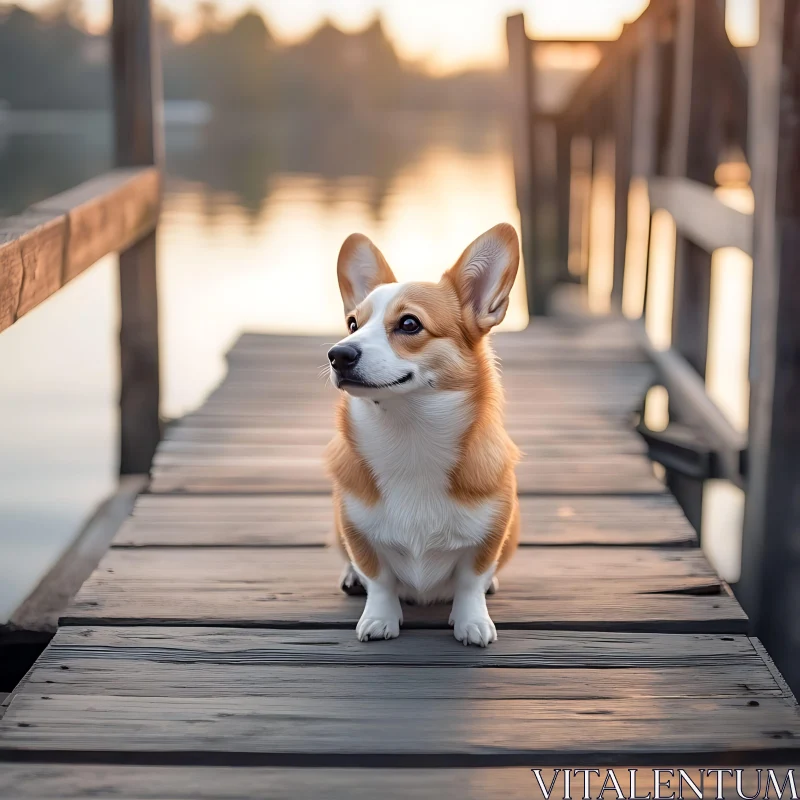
[50,61]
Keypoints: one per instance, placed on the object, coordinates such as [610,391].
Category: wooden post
[693,153]
[694,144]
[770,582]
[519,71]
[563,199]
[137,124]
[623,149]
[539,269]
[646,118]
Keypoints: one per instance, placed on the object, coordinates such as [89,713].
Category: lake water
[254,213]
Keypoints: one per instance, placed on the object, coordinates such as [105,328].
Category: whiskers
[325,370]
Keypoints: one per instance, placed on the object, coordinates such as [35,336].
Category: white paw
[477,630]
[381,619]
[377,628]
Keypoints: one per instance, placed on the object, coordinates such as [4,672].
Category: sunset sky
[445,35]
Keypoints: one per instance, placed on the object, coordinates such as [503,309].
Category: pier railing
[674,99]
[55,240]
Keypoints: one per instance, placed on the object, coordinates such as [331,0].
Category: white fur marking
[419,532]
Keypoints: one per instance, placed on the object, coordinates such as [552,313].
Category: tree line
[50,61]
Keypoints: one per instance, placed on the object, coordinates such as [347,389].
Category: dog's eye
[409,324]
[352,325]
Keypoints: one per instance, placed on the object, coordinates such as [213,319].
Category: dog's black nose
[343,357]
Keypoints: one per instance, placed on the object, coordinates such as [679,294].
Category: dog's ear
[484,275]
[361,268]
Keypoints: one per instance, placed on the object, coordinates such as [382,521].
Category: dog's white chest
[419,531]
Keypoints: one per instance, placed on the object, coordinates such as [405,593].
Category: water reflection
[254,213]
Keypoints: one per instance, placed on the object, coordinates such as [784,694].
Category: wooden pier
[214,634]
[211,652]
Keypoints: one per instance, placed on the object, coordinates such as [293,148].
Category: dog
[424,490]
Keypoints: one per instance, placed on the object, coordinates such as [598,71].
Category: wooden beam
[623,153]
[771,544]
[695,141]
[700,215]
[521,78]
[687,395]
[45,247]
[137,119]
[646,109]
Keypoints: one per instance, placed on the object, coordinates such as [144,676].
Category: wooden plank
[604,474]
[700,215]
[561,665]
[771,556]
[549,587]
[519,649]
[249,452]
[138,118]
[443,733]
[125,782]
[57,239]
[275,521]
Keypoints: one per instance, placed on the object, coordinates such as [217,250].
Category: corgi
[424,490]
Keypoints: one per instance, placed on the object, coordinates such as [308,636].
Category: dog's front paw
[377,628]
[477,630]
[381,619]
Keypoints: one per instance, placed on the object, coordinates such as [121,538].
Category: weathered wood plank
[270,521]
[701,216]
[57,239]
[125,782]
[519,649]
[603,474]
[120,782]
[548,587]
[305,731]
[207,662]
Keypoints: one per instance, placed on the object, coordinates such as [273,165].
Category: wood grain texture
[64,782]
[57,781]
[290,472]
[161,695]
[280,520]
[549,587]
[57,239]
[208,662]
[429,732]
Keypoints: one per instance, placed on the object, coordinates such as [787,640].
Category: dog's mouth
[357,383]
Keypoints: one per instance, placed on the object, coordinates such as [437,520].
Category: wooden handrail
[700,215]
[46,246]
[687,393]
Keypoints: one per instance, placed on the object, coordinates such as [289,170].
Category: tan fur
[347,468]
[353,542]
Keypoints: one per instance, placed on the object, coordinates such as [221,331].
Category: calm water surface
[254,213]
